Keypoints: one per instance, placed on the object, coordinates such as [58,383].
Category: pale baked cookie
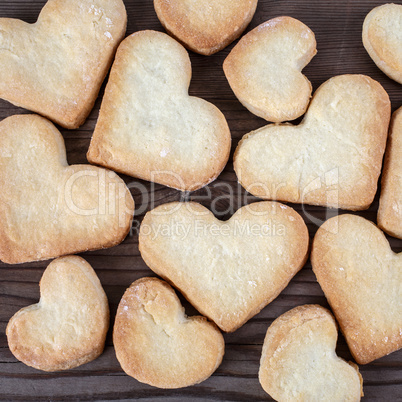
[48,208]
[68,326]
[389,216]
[299,362]
[149,127]
[264,69]
[56,66]
[157,344]
[228,270]
[361,278]
[382,38]
[205,26]
[332,158]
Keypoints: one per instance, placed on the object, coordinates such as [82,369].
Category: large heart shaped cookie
[149,127]
[299,362]
[228,270]
[157,344]
[333,158]
[382,38]
[56,66]
[48,208]
[361,277]
[68,326]
[390,211]
[205,26]
[264,69]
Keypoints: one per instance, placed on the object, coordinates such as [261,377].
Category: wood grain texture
[337,26]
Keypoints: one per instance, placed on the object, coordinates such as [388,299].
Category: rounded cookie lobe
[157,344]
[205,26]
[382,38]
[299,362]
[68,326]
[264,69]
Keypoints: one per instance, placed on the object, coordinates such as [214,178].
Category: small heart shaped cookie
[48,208]
[332,158]
[382,38]
[68,326]
[149,127]
[264,69]
[228,270]
[56,66]
[361,278]
[299,362]
[390,211]
[156,343]
[205,26]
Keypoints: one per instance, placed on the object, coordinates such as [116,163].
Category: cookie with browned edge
[56,66]
[382,38]
[361,278]
[205,26]
[299,361]
[68,326]
[157,344]
[264,69]
[228,270]
[149,127]
[48,208]
[389,216]
[333,158]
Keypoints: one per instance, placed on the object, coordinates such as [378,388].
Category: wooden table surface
[337,26]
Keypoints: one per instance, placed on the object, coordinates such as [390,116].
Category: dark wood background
[337,26]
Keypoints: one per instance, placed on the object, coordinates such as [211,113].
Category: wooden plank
[337,25]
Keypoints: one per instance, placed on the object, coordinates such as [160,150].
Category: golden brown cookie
[56,66]
[389,216]
[299,362]
[205,26]
[228,270]
[48,208]
[264,69]
[68,326]
[382,38]
[149,127]
[156,343]
[332,158]
[361,278]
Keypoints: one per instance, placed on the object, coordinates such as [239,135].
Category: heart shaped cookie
[264,69]
[149,127]
[361,278]
[56,66]
[332,158]
[390,211]
[382,38]
[299,362]
[228,270]
[205,26]
[68,326]
[156,343]
[48,208]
